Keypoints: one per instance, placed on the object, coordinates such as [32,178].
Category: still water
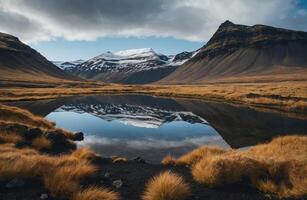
[152,127]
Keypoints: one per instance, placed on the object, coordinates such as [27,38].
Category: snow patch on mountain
[133,60]
[65,65]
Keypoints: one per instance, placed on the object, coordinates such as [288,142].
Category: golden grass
[41,143]
[220,170]
[194,156]
[64,181]
[60,174]
[14,114]
[10,138]
[278,167]
[282,95]
[166,186]
[96,193]
[168,160]
[85,154]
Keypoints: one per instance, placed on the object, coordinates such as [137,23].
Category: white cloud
[196,20]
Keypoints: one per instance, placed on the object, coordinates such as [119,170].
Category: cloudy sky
[72,29]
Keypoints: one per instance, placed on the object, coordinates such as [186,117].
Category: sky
[66,30]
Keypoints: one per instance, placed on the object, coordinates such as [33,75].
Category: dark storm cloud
[38,20]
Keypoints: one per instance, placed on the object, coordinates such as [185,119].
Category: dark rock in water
[79,136]
[15,183]
[56,137]
[117,183]
[32,133]
[139,160]
[44,196]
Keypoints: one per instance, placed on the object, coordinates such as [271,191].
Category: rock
[44,196]
[107,175]
[56,137]
[118,183]
[14,183]
[79,136]
[139,160]
[32,133]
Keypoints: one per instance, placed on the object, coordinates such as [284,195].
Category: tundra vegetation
[33,148]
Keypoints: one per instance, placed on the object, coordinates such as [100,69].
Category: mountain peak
[227,23]
[133,52]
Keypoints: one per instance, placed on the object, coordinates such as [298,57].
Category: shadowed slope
[239,53]
[19,62]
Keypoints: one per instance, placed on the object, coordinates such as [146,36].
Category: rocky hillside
[19,62]
[130,66]
[237,51]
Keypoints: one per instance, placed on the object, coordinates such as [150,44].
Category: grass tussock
[95,193]
[166,186]
[271,93]
[85,154]
[10,138]
[61,175]
[41,143]
[168,160]
[15,114]
[278,167]
[194,156]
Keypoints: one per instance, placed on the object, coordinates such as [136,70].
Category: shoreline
[276,98]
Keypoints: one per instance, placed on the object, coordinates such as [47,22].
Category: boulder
[117,183]
[44,196]
[15,183]
[56,137]
[139,160]
[79,136]
[32,133]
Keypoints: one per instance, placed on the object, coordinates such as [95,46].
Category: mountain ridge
[19,62]
[235,51]
[129,66]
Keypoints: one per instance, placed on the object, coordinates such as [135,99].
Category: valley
[225,121]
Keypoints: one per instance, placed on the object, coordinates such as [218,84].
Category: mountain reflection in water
[152,127]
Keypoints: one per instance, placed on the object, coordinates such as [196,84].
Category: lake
[152,127]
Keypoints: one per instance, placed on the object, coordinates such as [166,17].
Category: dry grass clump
[85,154]
[118,159]
[199,153]
[14,114]
[220,170]
[166,186]
[279,167]
[10,138]
[41,143]
[64,181]
[61,175]
[95,193]
[168,160]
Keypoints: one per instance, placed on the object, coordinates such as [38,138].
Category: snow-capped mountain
[133,60]
[135,115]
[67,65]
[129,66]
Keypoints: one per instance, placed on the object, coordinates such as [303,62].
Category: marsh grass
[281,95]
[93,193]
[278,167]
[166,186]
[61,174]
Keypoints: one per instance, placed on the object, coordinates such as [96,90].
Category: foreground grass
[167,186]
[278,167]
[286,96]
[32,148]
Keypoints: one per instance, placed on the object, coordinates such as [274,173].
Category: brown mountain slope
[19,62]
[246,53]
